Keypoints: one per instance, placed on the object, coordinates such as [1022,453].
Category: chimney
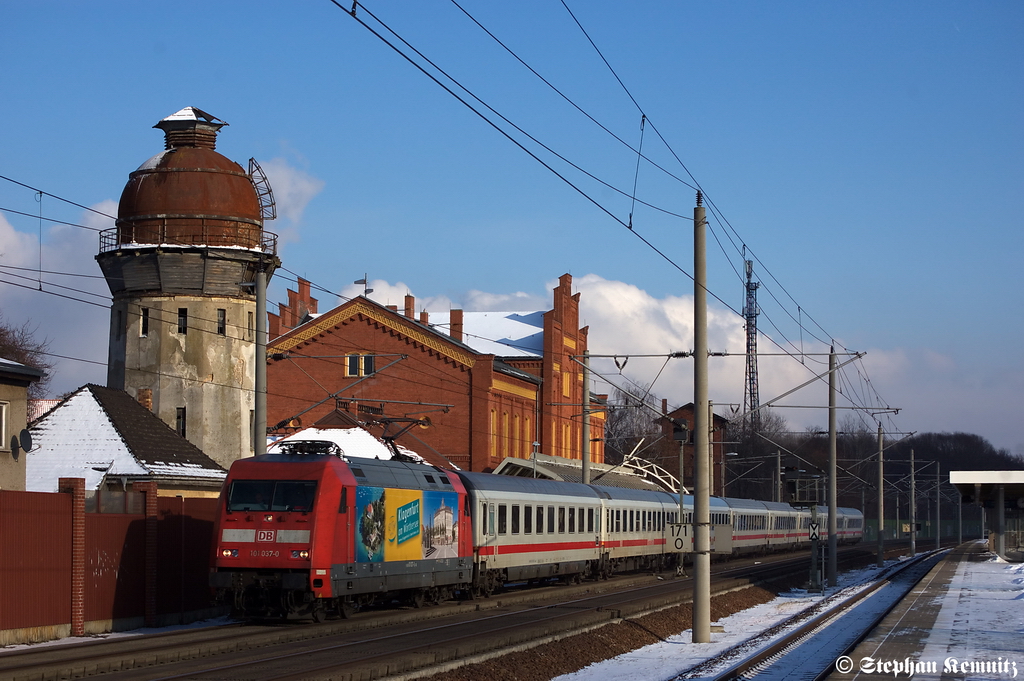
[393,308]
[455,326]
[424,318]
[410,306]
[145,398]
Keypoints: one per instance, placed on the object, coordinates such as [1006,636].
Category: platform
[968,610]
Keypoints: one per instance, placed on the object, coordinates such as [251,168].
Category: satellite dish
[21,442]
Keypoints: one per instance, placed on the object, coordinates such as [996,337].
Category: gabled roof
[100,432]
[361,306]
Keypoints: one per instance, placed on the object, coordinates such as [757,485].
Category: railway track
[819,636]
[389,642]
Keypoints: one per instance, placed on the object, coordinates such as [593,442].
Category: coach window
[540,520]
[490,520]
[551,519]
[527,519]
[590,520]
[632,527]
[572,520]
[561,520]
[515,519]
[502,518]
[618,521]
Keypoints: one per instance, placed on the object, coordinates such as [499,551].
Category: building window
[504,433]
[182,320]
[359,365]
[252,430]
[144,329]
[222,322]
[5,410]
[252,325]
[179,421]
[493,434]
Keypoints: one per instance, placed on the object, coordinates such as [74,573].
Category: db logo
[265,535]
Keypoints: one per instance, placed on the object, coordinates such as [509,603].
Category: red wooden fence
[128,569]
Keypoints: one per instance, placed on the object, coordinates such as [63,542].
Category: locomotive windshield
[271,495]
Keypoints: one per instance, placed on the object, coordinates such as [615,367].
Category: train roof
[631,494]
[515,484]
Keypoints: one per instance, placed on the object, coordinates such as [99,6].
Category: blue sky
[868,154]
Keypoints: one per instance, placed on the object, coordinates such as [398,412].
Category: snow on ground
[677,654]
[982,617]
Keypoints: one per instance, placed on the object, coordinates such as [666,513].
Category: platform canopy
[983,486]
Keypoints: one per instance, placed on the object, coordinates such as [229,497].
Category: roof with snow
[347,443]
[504,334]
[99,432]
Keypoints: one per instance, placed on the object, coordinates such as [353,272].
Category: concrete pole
[259,443]
[586,417]
[938,506]
[913,507]
[778,475]
[881,501]
[701,625]
[831,567]
[959,523]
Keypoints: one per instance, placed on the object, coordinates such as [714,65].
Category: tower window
[144,330]
[252,325]
[222,322]
[179,421]
[182,320]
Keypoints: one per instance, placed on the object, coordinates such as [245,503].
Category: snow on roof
[353,442]
[85,437]
[504,334]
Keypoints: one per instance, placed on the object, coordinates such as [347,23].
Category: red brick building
[677,427]
[491,383]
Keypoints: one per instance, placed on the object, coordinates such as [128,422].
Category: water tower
[181,265]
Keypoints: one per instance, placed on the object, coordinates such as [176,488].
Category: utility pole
[586,417]
[881,500]
[701,624]
[833,525]
[938,506]
[913,508]
[259,443]
[777,493]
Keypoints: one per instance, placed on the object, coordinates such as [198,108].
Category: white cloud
[293,190]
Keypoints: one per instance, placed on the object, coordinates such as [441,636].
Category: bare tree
[18,344]
[630,419]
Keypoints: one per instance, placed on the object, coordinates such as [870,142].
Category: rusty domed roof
[189,194]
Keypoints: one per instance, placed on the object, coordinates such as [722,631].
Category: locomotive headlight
[304,553]
[229,553]
[268,518]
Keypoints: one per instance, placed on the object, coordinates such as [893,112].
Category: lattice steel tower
[750,311]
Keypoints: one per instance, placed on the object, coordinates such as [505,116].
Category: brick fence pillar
[149,488]
[76,488]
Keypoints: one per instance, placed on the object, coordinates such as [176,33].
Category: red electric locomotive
[309,535]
